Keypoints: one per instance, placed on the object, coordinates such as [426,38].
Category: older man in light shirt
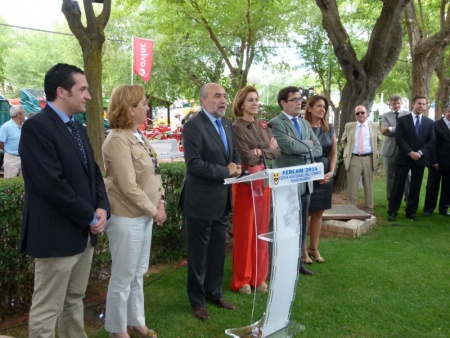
[9,142]
[360,140]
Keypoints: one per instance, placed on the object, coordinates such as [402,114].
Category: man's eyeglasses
[360,113]
[295,100]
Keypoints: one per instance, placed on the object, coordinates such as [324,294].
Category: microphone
[258,144]
[311,157]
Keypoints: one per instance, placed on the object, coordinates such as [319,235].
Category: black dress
[321,196]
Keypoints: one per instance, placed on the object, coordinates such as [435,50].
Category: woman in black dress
[316,113]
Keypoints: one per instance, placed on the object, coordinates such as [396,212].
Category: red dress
[251,212]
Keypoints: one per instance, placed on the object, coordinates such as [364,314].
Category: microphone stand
[311,157]
[258,144]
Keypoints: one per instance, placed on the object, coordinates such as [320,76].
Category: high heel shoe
[245,289]
[135,333]
[316,254]
[306,259]
[262,288]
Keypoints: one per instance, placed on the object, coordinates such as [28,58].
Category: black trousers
[206,245]
[437,178]
[401,174]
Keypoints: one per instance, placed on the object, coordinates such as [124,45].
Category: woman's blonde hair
[308,115]
[122,99]
[240,98]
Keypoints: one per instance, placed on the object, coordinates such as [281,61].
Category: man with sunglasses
[288,129]
[360,140]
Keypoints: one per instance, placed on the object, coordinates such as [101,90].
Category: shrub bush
[17,270]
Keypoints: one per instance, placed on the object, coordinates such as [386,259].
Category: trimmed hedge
[17,270]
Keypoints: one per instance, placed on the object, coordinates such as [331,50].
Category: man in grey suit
[360,140]
[389,149]
[288,129]
[211,156]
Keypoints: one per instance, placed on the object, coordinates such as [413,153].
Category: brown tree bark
[443,91]
[91,38]
[426,51]
[364,76]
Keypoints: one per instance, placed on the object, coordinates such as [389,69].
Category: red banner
[143,58]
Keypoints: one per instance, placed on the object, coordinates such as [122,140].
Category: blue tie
[222,134]
[297,127]
[417,125]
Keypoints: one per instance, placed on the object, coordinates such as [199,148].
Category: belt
[13,154]
[362,155]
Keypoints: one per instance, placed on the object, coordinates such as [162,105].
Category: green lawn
[393,282]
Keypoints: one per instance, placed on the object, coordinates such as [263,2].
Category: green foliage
[168,241]
[32,49]
[16,270]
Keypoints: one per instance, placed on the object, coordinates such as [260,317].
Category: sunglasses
[360,113]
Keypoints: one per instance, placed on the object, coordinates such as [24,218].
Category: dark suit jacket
[61,192]
[408,141]
[440,152]
[203,194]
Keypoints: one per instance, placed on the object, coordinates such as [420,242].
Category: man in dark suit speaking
[211,156]
[66,204]
[415,139]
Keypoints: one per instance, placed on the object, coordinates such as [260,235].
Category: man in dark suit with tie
[287,129]
[439,171]
[211,156]
[415,139]
[65,207]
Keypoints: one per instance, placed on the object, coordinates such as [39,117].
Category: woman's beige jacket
[133,187]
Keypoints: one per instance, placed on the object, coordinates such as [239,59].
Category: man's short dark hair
[60,75]
[419,97]
[283,94]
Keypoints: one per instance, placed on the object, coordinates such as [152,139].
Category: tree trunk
[364,76]
[443,91]
[426,52]
[91,39]
[92,55]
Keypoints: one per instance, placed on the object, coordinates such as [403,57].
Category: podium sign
[285,237]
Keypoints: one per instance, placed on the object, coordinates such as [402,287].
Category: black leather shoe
[305,271]
[201,313]
[412,217]
[427,213]
[392,217]
[224,304]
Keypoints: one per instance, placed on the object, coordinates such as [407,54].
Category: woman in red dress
[251,203]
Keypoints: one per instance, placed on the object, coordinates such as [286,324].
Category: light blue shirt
[61,115]
[213,120]
[367,149]
[66,119]
[414,118]
[10,136]
[291,118]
